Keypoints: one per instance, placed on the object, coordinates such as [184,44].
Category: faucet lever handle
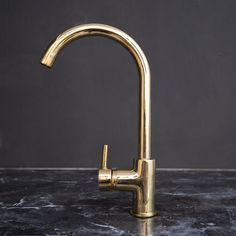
[104,157]
[104,173]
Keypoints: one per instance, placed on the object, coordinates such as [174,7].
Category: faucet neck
[140,59]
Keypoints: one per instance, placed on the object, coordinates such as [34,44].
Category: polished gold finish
[141,179]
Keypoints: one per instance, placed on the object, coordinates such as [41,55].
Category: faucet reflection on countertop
[145,227]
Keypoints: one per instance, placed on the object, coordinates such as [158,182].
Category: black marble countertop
[68,202]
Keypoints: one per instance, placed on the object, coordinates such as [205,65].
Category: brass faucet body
[141,179]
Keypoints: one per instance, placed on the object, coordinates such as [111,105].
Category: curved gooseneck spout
[141,179]
[140,58]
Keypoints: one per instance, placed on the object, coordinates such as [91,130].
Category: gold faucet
[141,179]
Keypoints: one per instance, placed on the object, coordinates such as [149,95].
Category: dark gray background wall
[62,117]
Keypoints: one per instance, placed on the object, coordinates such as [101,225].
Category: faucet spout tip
[46,62]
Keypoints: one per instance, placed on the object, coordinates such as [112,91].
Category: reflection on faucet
[145,227]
